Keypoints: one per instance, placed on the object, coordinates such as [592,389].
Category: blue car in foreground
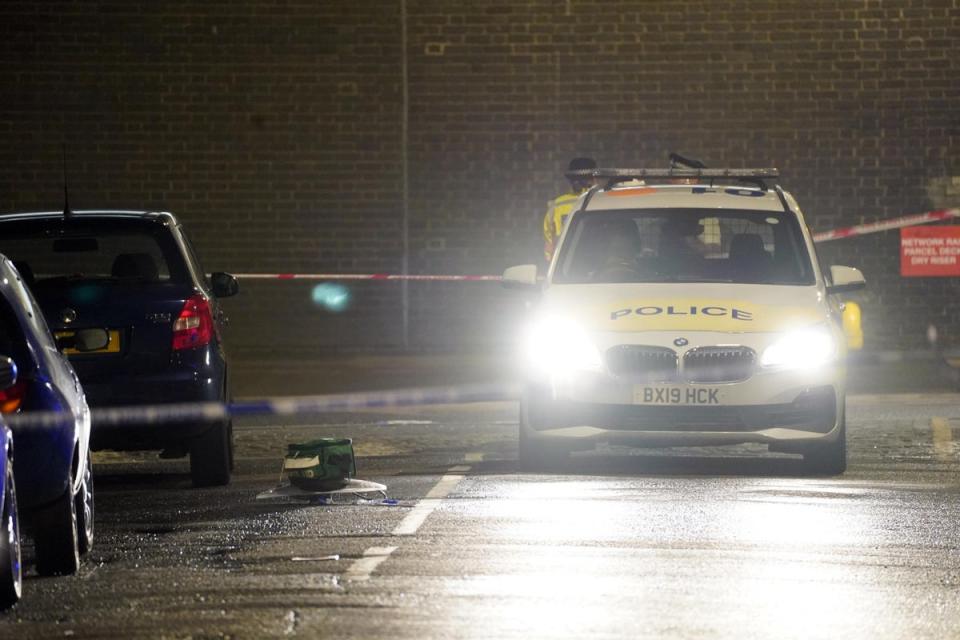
[135,275]
[11,571]
[53,471]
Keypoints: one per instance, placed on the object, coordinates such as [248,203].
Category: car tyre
[533,455]
[85,510]
[230,444]
[829,458]
[211,456]
[57,542]
[11,568]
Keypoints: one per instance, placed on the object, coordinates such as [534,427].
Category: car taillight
[12,397]
[194,327]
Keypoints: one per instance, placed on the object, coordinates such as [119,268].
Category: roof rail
[757,176]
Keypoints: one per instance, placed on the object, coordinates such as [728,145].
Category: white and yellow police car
[686,307]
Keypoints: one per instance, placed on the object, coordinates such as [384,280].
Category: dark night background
[273,130]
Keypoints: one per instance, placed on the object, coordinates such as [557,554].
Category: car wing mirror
[852,328]
[845,280]
[522,277]
[8,372]
[224,285]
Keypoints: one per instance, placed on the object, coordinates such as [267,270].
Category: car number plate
[665,395]
[113,346]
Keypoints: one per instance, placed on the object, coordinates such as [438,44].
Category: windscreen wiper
[694,279]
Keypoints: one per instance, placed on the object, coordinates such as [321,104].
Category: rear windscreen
[93,253]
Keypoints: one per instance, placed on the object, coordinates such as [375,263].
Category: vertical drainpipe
[404,173]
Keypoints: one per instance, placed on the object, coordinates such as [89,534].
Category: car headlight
[801,349]
[554,345]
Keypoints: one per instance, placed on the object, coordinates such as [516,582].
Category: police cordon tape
[315,405]
[277,407]
[825,236]
[887,225]
[364,276]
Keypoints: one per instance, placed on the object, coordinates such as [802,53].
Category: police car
[685,307]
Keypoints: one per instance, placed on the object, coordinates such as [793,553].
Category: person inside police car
[621,248]
[680,244]
[560,208]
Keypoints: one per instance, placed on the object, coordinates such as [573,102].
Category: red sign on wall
[930,251]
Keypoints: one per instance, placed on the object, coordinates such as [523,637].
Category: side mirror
[521,277]
[845,280]
[224,285]
[84,341]
[852,327]
[8,372]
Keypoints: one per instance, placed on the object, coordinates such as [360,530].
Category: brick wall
[273,129]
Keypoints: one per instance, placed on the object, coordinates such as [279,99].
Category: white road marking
[334,558]
[474,456]
[365,565]
[409,525]
[942,439]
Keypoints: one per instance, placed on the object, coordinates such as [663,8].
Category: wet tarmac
[698,543]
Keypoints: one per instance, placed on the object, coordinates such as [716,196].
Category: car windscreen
[685,245]
[85,251]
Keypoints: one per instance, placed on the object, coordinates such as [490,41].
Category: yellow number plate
[113,346]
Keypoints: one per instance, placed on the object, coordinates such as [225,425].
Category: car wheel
[57,543]
[230,444]
[210,456]
[84,508]
[829,458]
[532,454]
[11,570]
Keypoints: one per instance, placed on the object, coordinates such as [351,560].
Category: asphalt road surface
[698,543]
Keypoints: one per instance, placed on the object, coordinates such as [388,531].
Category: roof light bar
[679,172]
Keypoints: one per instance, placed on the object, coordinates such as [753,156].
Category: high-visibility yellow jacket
[558,210]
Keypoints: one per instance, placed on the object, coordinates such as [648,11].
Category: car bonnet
[688,307]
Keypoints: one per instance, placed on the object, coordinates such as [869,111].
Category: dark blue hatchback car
[135,275]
